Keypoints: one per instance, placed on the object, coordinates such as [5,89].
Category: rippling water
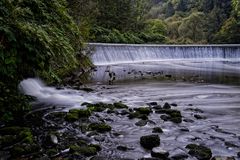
[212,86]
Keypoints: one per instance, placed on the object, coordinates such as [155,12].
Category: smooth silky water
[204,77]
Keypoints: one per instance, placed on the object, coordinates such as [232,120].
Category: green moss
[137,114]
[120,105]
[174,115]
[72,117]
[144,110]
[98,147]
[100,127]
[86,151]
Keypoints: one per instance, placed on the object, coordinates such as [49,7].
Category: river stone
[159,152]
[122,148]
[141,123]
[197,116]
[199,151]
[165,117]
[166,106]
[152,104]
[157,130]
[150,141]
[174,104]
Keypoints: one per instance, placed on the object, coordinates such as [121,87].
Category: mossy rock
[137,115]
[173,115]
[100,127]
[144,110]
[72,117]
[120,105]
[75,114]
[12,135]
[199,151]
[150,141]
[86,150]
[13,130]
[99,107]
[19,150]
[97,146]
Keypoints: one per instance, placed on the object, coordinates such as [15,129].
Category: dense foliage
[184,21]
[37,38]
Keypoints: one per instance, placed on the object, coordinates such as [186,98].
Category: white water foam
[53,96]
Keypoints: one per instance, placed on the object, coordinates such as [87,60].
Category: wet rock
[100,127]
[165,117]
[141,123]
[120,105]
[238,154]
[174,104]
[172,115]
[152,104]
[197,116]
[166,106]
[137,115]
[231,145]
[97,146]
[144,110]
[184,129]
[51,139]
[159,152]
[188,120]
[222,158]
[85,150]
[122,148]
[168,76]
[199,151]
[71,117]
[150,141]
[124,112]
[157,130]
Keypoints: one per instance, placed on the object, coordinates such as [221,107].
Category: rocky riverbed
[135,120]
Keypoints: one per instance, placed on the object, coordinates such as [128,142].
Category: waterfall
[105,54]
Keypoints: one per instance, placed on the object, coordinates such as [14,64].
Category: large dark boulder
[150,141]
[199,151]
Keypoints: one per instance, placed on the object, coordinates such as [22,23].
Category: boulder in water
[100,127]
[199,151]
[150,141]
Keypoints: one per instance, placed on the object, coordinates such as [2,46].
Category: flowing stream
[202,77]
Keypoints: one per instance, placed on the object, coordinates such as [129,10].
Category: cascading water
[53,96]
[119,53]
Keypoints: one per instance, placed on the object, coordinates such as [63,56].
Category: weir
[105,54]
